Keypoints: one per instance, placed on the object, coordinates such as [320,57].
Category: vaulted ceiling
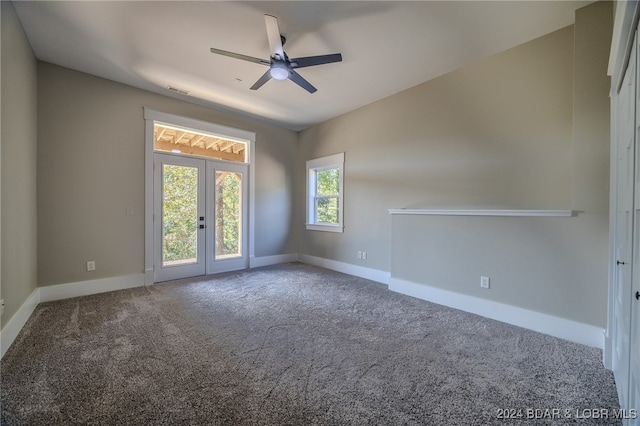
[387,46]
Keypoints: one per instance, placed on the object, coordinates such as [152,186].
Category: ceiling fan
[280,66]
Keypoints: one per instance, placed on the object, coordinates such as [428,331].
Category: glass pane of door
[179,215]
[228,214]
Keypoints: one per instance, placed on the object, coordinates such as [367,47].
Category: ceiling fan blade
[297,79]
[239,56]
[262,80]
[273,34]
[310,61]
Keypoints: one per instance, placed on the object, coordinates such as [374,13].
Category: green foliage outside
[180,215]
[327,193]
[228,217]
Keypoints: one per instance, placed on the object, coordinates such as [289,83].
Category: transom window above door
[179,140]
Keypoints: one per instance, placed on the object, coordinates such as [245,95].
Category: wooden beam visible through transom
[186,141]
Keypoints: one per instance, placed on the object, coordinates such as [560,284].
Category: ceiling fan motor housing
[279,69]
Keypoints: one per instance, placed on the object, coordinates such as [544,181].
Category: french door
[200,216]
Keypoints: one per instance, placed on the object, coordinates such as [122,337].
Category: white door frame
[214,265]
[150,116]
[171,272]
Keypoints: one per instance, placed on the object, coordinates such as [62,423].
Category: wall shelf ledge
[472,212]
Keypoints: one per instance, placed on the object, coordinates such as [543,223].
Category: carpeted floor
[290,345]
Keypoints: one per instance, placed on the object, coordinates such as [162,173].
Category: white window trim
[335,161]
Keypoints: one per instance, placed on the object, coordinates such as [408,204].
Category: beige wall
[18,164]
[91,167]
[493,134]
[506,132]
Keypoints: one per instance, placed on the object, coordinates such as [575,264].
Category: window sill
[325,228]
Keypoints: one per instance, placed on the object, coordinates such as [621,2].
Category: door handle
[620,263]
[637,295]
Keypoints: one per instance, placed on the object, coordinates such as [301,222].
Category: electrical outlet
[364,255]
[91,265]
[359,255]
[484,282]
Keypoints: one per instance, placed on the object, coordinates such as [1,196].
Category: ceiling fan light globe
[279,73]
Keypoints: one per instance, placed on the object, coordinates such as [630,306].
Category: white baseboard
[607,352]
[256,262]
[563,328]
[85,288]
[18,320]
[346,268]
[148,276]
[555,326]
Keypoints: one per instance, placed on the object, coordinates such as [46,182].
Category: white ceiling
[387,46]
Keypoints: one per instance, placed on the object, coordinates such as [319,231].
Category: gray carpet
[288,345]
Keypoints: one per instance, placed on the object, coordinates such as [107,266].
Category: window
[324,193]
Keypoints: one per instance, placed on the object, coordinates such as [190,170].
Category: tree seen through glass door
[228,214]
[179,214]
